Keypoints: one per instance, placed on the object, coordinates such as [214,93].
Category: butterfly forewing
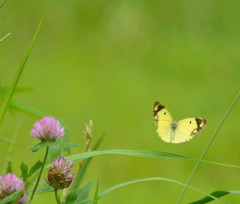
[163,120]
[187,128]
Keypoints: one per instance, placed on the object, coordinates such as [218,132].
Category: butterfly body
[175,132]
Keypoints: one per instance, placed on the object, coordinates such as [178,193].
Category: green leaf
[44,190]
[24,108]
[65,139]
[13,197]
[35,168]
[61,145]
[76,196]
[96,193]
[38,146]
[56,148]
[13,86]
[24,170]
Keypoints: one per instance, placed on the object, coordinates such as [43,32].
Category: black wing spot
[190,122]
[165,113]
[156,108]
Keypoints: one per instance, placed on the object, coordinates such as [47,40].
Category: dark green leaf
[76,196]
[217,194]
[13,197]
[207,199]
[24,170]
[35,168]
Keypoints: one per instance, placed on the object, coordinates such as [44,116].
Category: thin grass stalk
[100,195]
[4,37]
[10,148]
[208,146]
[2,4]
[13,86]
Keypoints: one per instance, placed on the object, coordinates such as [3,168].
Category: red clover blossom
[58,176]
[9,184]
[47,129]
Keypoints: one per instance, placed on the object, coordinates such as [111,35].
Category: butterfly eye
[165,113]
[190,122]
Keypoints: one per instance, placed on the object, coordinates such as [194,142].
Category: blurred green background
[109,61]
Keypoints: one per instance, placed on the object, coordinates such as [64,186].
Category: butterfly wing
[163,120]
[187,128]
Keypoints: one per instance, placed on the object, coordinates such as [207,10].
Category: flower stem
[39,176]
[57,197]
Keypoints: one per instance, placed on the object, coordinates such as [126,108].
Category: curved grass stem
[208,146]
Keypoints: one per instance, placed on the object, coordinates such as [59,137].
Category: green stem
[208,146]
[39,176]
[57,197]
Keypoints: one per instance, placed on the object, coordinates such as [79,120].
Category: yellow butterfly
[175,132]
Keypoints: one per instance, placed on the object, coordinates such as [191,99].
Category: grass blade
[154,179]
[141,153]
[10,92]
[208,146]
[96,193]
[129,152]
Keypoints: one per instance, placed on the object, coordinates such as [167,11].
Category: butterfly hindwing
[163,120]
[187,128]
